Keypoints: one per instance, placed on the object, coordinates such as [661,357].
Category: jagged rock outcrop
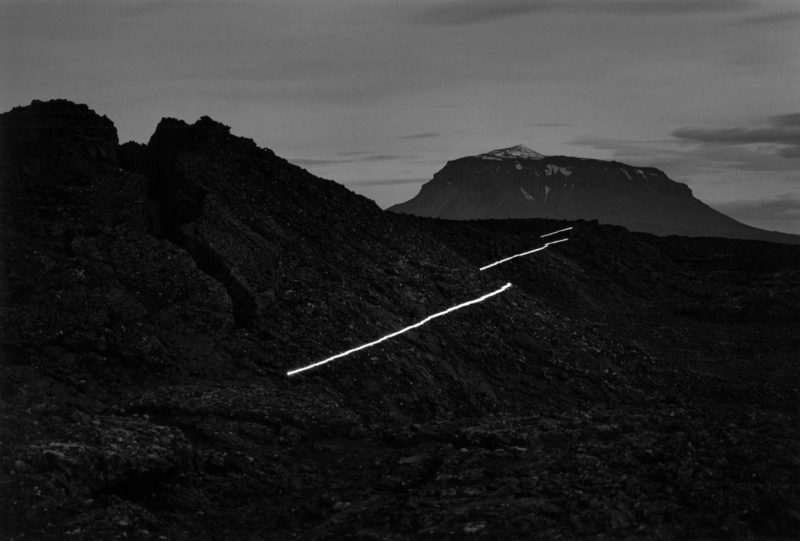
[82,271]
[93,306]
[58,130]
[134,157]
[520,183]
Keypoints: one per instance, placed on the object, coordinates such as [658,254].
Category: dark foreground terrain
[627,387]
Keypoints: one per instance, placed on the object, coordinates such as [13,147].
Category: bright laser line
[554,232]
[401,331]
[539,249]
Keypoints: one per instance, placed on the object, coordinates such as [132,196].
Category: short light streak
[554,232]
[401,331]
[539,249]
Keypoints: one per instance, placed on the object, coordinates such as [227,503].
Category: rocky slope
[155,295]
[520,183]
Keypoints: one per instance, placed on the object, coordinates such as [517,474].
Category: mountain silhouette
[518,182]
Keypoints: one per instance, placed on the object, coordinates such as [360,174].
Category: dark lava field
[154,296]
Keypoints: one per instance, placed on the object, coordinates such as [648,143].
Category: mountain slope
[520,183]
[155,295]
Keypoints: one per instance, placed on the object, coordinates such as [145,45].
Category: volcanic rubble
[628,386]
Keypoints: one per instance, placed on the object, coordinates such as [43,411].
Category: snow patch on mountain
[517,152]
[552,169]
[525,194]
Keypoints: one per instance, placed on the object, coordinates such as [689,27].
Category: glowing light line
[554,232]
[539,249]
[401,331]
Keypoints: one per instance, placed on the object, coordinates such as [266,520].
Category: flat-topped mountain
[518,182]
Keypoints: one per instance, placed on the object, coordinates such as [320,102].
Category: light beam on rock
[554,232]
[539,249]
[401,331]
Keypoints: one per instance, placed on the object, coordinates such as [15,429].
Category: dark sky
[379,94]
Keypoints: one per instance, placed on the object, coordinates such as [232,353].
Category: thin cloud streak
[785,207]
[792,119]
[667,7]
[549,125]
[740,136]
[448,106]
[782,135]
[384,158]
[315,162]
[782,18]
[428,135]
[311,162]
[464,12]
[386,182]
[774,147]
[467,12]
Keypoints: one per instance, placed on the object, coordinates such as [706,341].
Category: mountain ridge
[565,187]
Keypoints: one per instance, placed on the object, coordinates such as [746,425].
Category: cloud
[466,12]
[461,12]
[312,162]
[388,182]
[775,147]
[667,7]
[663,154]
[351,157]
[792,119]
[383,158]
[741,136]
[549,125]
[791,152]
[760,159]
[781,18]
[779,137]
[427,135]
[785,207]
[153,7]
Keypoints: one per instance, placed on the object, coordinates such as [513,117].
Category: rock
[58,130]
[474,527]
[134,157]
[415,459]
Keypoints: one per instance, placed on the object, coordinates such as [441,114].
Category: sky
[379,94]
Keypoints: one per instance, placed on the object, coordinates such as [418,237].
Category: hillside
[156,295]
[520,183]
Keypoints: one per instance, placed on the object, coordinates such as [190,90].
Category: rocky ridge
[154,296]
